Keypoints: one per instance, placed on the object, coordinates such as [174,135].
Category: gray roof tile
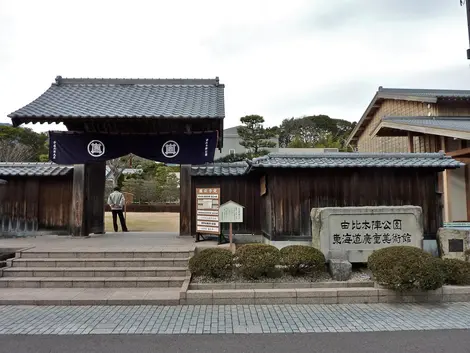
[439,122]
[33,169]
[221,169]
[128,98]
[345,159]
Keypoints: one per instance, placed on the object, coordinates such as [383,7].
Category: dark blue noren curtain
[77,148]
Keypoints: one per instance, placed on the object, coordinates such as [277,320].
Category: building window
[231,152]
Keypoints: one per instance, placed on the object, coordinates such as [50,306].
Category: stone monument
[353,233]
[454,241]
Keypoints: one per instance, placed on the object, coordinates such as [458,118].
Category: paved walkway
[107,242]
[231,319]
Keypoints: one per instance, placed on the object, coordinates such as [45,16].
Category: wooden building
[423,120]
[279,190]
[37,197]
[108,106]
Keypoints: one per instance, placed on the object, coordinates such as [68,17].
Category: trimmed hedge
[302,260]
[406,268]
[258,260]
[216,263]
[457,272]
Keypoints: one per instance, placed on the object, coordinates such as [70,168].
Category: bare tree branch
[116,167]
[14,152]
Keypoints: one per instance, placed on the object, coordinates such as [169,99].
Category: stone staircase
[91,269]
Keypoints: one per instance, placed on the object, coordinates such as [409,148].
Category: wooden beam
[78,225]
[460,152]
[411,147]
[185,200]
[445,184]
[467,190]
[465,160]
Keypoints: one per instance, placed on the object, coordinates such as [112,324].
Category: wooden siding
[244,190]
[366,143]
[35,204]
[389,107]
[55,203]
[293,195]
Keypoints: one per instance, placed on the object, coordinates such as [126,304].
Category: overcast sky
[278,59]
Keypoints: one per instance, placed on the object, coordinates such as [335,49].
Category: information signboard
[207,210]
[231,212]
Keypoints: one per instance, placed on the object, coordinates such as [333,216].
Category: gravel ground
[360,274]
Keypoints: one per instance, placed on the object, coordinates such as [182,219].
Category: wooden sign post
[231,212]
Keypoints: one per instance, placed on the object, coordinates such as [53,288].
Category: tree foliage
[144,191]
[237,157]
[254,135]
[318,131]
[157,183]
[22,144]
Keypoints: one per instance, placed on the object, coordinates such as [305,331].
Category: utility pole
[467,3]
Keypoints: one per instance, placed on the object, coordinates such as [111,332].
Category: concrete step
[91,282]
[31,254]
[95,272]
[100,262]
[90,296]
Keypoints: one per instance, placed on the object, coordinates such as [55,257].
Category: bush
[216,263]
[405,268]
[457,272]
[258,260]
[302,260]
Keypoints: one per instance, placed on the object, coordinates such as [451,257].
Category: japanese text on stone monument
[362,231]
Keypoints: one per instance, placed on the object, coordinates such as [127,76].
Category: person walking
[117,201]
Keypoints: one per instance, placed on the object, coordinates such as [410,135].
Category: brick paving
[221,319]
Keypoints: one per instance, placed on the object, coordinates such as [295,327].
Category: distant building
[423,121]
[232,144]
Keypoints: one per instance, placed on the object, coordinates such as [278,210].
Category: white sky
[279,59]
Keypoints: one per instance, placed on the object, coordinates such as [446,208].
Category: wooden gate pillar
[185,200]
[78,220]
[94,208]
[88,199]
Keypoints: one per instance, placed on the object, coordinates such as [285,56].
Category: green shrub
[457,272]
[406,268]
[258,260]
[216,263]
[302,260]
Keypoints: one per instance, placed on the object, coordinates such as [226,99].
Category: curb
[323,296]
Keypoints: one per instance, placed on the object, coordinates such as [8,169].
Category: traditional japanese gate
[178,121]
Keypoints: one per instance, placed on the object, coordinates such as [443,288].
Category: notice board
[207,210]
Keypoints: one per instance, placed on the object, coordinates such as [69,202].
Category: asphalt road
[455,341]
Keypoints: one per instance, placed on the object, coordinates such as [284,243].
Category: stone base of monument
[340,270]
[453,242]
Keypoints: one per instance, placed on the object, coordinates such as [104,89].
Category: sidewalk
[104,242]
[228,319]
